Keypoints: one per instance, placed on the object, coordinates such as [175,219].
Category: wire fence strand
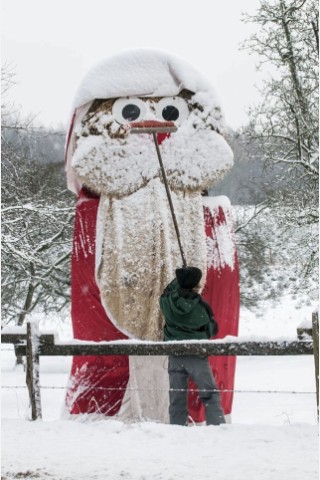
[47,387]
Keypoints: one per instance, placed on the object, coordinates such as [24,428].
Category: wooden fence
[32,344]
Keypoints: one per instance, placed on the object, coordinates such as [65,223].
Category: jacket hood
[183,305]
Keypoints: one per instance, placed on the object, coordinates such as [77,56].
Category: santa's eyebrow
[152,99]
[185,94]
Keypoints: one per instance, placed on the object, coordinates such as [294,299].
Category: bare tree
[37,222]
[36,241]
[286,121]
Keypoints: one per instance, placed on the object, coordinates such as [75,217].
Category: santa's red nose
[161,137]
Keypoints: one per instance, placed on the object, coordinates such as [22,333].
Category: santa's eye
[173,109]
[130,112]
[170,112]
[127,110]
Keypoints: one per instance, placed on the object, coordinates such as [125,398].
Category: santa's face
[110,160]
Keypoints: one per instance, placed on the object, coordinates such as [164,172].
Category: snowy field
[272,435]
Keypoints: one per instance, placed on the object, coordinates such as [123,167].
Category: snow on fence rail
[30,343]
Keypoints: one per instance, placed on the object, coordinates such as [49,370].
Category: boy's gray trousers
[198,369]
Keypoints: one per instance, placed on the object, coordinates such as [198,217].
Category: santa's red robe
[98,383]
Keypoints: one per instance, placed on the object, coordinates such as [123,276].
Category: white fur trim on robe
[74,185]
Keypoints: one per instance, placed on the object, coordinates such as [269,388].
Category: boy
[189,317]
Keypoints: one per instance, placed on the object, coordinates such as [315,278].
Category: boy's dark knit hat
[188,277]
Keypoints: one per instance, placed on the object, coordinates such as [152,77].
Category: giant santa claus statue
[125,249]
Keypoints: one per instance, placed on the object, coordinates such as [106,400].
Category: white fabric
[221,249]
[147,394]
[141,72]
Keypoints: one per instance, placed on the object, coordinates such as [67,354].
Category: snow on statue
[125,249]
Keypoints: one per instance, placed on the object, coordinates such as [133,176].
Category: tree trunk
[26,308]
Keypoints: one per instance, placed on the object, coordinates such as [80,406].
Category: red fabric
[222,293]
[98,382]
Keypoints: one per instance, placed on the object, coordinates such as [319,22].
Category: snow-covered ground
[272,435]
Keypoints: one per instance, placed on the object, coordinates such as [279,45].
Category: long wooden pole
[165,181]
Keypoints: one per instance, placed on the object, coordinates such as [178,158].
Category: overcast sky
[50,44]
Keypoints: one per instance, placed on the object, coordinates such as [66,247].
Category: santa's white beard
[138,252]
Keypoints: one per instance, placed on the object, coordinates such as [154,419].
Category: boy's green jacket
[187,316]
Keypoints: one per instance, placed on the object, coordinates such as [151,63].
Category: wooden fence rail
[32,344]
[48,347]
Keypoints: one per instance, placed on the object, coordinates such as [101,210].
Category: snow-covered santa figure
[125,249]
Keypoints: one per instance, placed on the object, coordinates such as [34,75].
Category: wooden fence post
[315,336]
[32,375]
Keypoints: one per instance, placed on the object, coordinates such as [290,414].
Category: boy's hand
[215,328]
